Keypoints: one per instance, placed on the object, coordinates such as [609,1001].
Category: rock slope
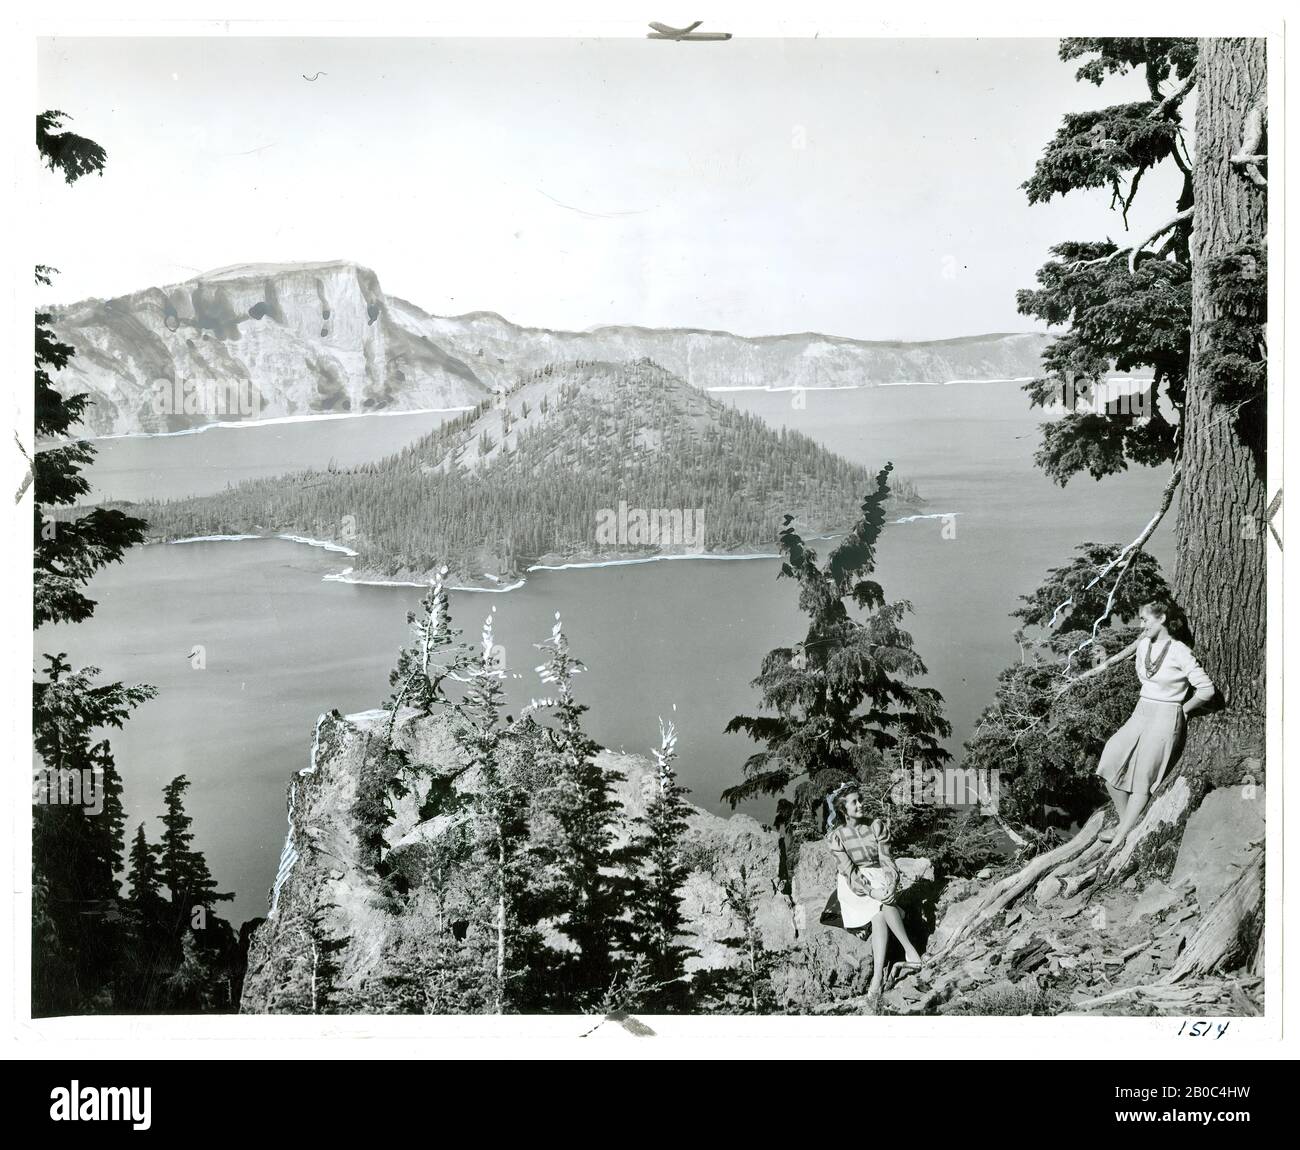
[1041,939]
[270,341]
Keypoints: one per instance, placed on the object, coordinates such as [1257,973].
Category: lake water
[281,645]
[176,466]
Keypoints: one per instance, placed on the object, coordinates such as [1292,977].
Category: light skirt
[855,909]
[1144,747]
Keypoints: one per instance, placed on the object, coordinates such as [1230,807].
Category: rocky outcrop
[1034,939]
[328,905]
[261,341]
[254,342]
[325,890]
[1219,839]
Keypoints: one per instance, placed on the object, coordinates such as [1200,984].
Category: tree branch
[1249,157]
[1184,215]
[1127,554]
[1092,672]
[1170,102]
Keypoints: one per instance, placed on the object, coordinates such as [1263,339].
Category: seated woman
[1138,756]
[868,878]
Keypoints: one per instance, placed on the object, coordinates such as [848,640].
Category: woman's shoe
[898,970]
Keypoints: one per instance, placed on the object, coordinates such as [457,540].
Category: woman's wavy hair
[1175,620]
[836,815]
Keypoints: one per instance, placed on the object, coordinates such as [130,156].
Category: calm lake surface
[282,646]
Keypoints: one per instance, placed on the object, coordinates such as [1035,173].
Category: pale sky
[866,188]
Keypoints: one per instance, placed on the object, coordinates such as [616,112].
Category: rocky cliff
[269,341]
[275,340]
[325,891]
[499,350]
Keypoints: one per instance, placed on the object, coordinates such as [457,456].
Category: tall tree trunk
[1222,537]
[1219,578]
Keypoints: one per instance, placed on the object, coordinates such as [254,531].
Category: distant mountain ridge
[323,338]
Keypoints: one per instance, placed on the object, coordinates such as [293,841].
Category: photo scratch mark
[627,1021]
[595,215]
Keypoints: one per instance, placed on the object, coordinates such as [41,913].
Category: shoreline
[370,578]
[272,421]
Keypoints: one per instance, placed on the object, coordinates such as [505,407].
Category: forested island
[539,475]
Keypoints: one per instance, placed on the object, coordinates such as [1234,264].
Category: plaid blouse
[854,847]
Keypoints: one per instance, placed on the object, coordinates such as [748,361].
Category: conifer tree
[1186,302]
[842,697]
[74,855]
[499,805]
[581,802]
[144,878]
[76,852]
[655,893]
[184,871]
[433,656]
[152,947]
[753,976]
[1124,307]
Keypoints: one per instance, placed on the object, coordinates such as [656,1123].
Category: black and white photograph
[726,518]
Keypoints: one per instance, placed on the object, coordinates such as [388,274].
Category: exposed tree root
[1002,894]
[1190,998]
[1170,809]
[1228,935]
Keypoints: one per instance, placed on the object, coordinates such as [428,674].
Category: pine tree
[76,852]
[497,964]
[153,949]
[499,805]
[184,871]
[585,811]
[842,697]
[144,878]
[67,550]
[433,657]
[753,977]
[660,872]
[75,944]
[1128,307]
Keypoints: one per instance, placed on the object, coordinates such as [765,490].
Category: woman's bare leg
[1137,803]
[1120,801]
[894,919]
[879,941]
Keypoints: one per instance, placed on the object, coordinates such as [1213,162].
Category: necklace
[1153,667]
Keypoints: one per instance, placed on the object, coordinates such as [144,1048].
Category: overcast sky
[867,188]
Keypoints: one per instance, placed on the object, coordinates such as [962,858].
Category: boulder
[829,963]
[1157,898]
[956,916]
[1218,840]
